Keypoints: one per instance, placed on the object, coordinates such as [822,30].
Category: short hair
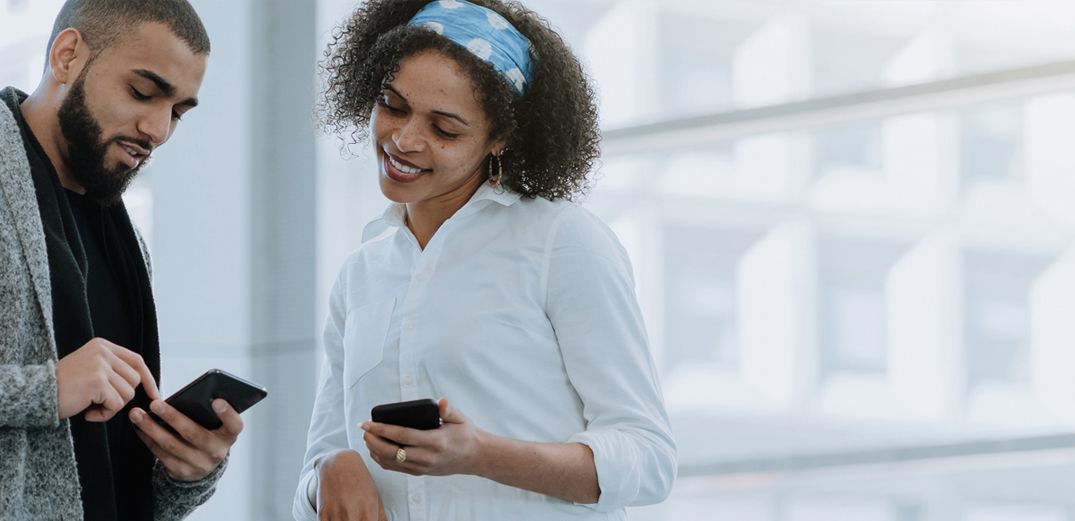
[104,22]
[551,131]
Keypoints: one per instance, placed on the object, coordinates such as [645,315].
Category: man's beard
[86,150]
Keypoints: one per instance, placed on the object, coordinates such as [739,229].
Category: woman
[482,284]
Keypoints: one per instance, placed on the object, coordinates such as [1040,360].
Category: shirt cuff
[616,460]
[303,509]
[311,490]
[212,477]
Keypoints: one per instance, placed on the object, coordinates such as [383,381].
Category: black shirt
[98,290]
[110,309]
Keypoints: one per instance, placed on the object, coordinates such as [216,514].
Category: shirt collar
[500,194]
[394,215]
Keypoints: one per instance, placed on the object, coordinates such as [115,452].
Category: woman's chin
[396,193]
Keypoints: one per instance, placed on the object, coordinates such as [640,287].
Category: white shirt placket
[417,295]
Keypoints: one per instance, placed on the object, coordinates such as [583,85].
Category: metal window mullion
[698,131]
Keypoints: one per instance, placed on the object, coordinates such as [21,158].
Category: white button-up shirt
[521,312]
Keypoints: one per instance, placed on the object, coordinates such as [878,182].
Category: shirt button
[416,499]
[409,326]
[408,381]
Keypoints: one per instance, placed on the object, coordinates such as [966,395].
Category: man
[79,354]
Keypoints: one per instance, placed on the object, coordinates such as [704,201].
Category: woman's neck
[424,218]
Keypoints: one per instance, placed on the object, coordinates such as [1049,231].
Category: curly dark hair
[551,129]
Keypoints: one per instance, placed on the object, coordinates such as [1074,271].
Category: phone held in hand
[195,400]
[416,414]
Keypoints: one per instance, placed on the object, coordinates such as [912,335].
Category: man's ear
[68,55]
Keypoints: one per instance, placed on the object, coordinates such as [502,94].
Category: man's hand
[346,491]
[100,378]
[195,452]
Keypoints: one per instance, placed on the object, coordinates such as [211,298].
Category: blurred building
[851,225]
[851,228]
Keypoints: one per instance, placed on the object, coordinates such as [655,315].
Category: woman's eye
[384,103]
[447,135]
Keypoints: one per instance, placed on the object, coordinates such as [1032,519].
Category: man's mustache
[143,144]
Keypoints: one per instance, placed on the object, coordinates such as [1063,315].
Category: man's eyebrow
[167,88]
[437,112]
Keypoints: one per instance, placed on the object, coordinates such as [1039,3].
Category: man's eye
[138,95]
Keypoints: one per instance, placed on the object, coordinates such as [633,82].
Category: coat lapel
[20,208]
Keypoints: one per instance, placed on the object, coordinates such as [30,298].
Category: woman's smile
[401,171]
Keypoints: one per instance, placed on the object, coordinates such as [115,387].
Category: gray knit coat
[38,477]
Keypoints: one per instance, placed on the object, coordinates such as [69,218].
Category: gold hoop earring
[499,177]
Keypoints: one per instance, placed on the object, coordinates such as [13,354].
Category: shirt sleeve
[28,396]
[328,427]
[592,305]
[175,500]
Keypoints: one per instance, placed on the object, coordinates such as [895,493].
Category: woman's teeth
[405,169]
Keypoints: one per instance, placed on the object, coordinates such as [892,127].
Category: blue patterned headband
[484,33]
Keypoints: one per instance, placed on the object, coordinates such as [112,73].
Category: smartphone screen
[195,400]
[416,414]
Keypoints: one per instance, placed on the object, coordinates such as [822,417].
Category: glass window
[853,310]
[696,72]
[991,143]
[997,317]
[701,300]
[850,149]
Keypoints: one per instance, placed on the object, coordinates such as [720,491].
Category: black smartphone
[416,414]
[195,400]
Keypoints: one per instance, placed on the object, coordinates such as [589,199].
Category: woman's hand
[454,448]
[346,491]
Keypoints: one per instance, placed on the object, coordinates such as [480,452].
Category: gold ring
[401,455]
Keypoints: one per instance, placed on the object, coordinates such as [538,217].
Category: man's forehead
[153,47]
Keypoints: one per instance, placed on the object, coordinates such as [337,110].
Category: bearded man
[79,352]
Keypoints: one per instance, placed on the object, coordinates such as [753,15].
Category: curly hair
[551,130]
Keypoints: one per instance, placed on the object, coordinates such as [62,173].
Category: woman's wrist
[484,455]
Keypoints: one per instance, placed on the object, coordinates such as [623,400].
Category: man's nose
[157,126]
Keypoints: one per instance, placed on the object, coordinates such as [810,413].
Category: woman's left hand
[454,448]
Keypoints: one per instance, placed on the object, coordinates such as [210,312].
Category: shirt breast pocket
[365,332]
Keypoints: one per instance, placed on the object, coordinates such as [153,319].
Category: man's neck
[41,118]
